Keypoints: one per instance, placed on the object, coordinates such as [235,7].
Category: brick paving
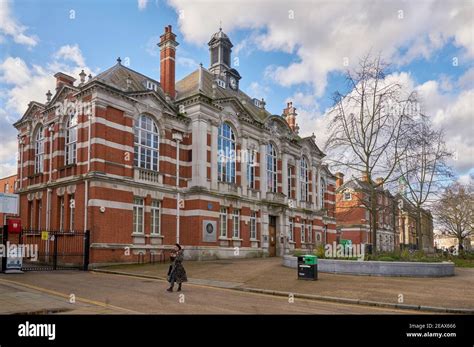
[451,292]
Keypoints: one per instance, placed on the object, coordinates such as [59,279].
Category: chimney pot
[339,179]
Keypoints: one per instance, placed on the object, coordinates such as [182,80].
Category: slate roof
[200,82]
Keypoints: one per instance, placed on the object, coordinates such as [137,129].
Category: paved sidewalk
[20,299]
[268,274]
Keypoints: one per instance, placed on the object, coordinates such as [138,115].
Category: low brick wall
[378,268]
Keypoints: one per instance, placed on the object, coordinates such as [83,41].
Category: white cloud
[187,62]
[9,26]
[451,112]
[258,90]
[29,83]
[323,34]
[71,53]
[142,4]
[14,71]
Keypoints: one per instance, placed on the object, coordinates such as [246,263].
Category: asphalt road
[107,293]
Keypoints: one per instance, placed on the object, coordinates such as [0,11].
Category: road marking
[370,308]
[84,300]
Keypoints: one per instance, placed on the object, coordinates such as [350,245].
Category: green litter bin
[308,267]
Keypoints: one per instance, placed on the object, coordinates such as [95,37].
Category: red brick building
[7,185]
[144,164]
[353,217]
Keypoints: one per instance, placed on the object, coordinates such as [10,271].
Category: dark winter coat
[176,271]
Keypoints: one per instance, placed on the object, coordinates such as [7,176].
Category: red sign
[14,226]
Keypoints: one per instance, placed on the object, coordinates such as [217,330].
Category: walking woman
[176,271]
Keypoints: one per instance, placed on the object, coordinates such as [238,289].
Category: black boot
[179,287]
[170,289]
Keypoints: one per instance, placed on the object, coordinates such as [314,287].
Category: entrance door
[272,236]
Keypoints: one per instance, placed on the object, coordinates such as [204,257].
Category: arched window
[304,179]
[71,140]
[39,150]
[226,165]
[323,193]
[271,168]
[147,142]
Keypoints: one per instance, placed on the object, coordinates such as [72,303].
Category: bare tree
[423,167]
[455,212]
[369,126]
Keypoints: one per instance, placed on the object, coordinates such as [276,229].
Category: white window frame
[138,212]
[155,215]
[303,231]
[61,213]
[32,215]
[304,179]
[72,207]
[289,173]
[291,233]
[146,143]
[253,225]
[310,233]
[323,192]
[223,222]
[39,150]
[227,150]
[251,163]
[272,168]
[236,224]
[40,212]
[70,156]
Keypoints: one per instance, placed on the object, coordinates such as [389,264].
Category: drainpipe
[178,137]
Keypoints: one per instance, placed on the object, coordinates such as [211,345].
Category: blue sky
[286,51]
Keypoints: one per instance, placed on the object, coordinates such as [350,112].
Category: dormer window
[257,102]
[151,86]
[347,195]
[220,83]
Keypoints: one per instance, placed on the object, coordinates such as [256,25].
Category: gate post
[4,241]
[86,250]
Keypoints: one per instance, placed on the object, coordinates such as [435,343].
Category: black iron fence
[55,250]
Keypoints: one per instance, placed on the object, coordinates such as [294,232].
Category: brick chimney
[339,179]
[290,116]
[63,79]
[167,61]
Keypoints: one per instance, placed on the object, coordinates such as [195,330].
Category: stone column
[313,190]
[298,188]
[244,157]
[199,148]
[214,154]
[263,170]
[284,173]
[318,182]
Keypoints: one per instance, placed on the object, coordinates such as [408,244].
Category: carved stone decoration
[30,196]
[60,191]
[71,189]
[38,195]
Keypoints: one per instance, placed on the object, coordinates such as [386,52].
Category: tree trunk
[419,233]
[373,219]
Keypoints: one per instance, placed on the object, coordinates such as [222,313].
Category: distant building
[353,217]
[406,223]
[7,185]
[445,242]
